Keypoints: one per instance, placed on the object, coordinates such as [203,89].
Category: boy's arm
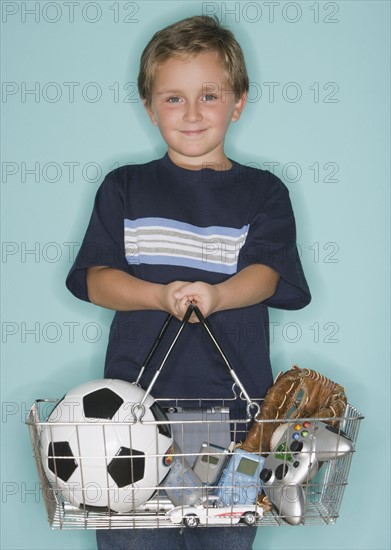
[250,286]
[114,289]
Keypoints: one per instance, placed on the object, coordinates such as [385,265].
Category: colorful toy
[211,511]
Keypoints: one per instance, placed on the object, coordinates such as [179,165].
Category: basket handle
[252,407]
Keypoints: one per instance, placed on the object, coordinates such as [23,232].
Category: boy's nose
[192,113]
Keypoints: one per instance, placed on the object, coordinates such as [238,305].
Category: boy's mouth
[194,133]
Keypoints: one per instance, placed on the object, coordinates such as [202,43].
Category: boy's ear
[239,106]
[150,112]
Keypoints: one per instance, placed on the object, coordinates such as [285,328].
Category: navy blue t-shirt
[162,223]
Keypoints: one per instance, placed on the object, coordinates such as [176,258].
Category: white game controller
[297,450]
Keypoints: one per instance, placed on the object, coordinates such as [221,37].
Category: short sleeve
[271,241]
[103,243]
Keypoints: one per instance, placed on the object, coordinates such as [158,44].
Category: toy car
[211,511]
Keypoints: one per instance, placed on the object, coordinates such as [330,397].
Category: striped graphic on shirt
[162,241]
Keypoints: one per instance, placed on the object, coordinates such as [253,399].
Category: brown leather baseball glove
[297,393]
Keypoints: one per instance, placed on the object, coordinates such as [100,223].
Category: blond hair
[189,37]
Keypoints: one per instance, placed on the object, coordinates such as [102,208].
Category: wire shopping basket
[210,480]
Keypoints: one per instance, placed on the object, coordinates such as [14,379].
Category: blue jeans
[200,538]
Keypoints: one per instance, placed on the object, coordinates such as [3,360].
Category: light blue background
[341,50]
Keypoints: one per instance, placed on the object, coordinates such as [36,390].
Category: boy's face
[193,106]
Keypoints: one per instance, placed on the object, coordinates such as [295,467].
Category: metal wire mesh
[323,493]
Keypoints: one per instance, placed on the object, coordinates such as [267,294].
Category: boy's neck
[198,164]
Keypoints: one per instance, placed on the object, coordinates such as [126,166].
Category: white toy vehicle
[211,511]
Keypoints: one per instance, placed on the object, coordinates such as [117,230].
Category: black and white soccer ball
[100,449]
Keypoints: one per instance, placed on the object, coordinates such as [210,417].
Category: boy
[193,226]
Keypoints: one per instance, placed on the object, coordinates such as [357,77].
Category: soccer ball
[101,449]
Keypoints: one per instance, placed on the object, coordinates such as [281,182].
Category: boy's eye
[208,97]
[174,99]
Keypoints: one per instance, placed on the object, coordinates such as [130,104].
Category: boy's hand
[203,295]
[175,301]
